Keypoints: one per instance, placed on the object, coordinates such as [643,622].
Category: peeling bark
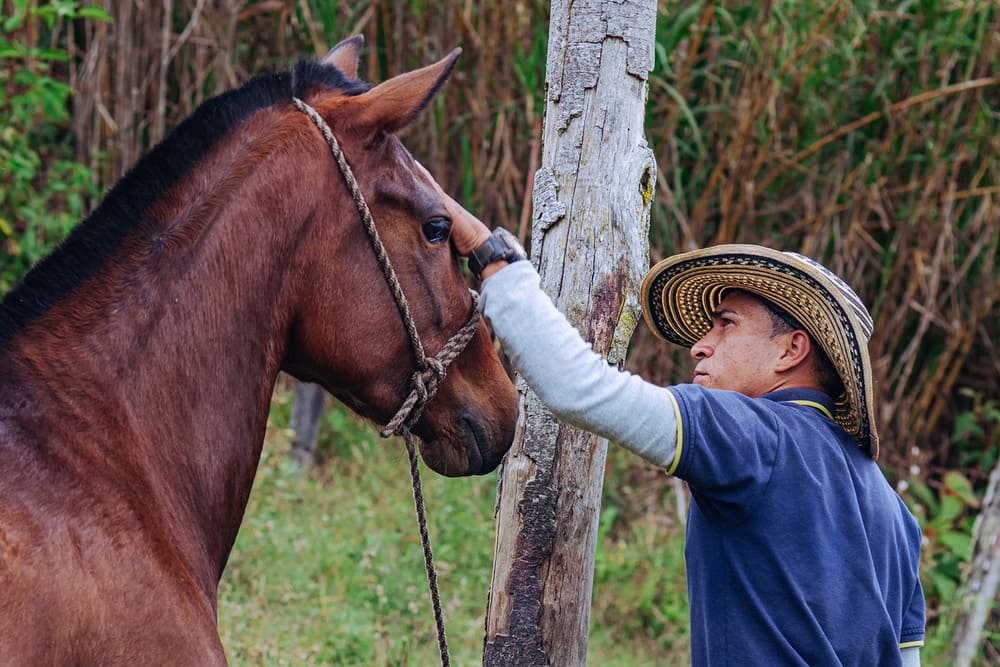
[589,237]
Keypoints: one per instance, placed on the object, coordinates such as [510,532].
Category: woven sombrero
[680,293]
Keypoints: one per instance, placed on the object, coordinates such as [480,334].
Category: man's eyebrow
[724,311]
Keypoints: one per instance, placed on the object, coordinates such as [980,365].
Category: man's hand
[467,231]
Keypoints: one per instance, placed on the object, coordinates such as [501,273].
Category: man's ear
[797,346]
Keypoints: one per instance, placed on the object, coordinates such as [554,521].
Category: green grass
[328,568]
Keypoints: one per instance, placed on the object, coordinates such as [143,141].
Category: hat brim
[680,293]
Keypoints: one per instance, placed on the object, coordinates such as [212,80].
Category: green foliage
[751,86]
[640,596]
[328,569]
[976,433]
[43,190]
[946,515]
[528,63]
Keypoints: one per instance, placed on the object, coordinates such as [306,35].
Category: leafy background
[864,134]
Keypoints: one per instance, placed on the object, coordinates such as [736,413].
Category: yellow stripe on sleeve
[919,642]
[680,434]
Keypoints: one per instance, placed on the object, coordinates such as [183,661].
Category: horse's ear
[393,104]
[344,56]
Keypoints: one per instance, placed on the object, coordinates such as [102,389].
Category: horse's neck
[170,354]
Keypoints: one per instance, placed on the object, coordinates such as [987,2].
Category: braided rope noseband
[430,370]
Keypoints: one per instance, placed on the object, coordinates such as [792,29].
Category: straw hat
[680,293]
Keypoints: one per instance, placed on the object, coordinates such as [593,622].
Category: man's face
[739,352]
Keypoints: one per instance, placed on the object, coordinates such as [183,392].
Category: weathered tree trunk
[979,586]
[590,242]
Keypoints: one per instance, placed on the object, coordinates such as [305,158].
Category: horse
[138,360]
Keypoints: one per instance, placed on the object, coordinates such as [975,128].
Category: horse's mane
[96,239]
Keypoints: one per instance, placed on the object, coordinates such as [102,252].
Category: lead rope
[430,370]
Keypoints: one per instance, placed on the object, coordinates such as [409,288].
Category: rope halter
[430,371]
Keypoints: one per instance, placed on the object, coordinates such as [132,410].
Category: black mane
[95,240]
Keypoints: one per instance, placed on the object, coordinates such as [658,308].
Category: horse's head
[347,333]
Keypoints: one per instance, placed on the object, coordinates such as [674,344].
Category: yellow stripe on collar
[813,404]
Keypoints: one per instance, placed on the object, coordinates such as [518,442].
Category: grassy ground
[328,567]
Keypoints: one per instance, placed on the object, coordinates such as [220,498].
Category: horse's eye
[437,230]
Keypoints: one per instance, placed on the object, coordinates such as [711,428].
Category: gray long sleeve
[576,384]
[911,656]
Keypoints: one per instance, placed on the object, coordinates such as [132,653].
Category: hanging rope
[429,373]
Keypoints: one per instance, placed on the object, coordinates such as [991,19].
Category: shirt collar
[810,397]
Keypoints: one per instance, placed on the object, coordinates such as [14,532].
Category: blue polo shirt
[799,552]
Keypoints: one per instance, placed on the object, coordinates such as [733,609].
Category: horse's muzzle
[472,445]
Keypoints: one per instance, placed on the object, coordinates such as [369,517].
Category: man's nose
[701,349]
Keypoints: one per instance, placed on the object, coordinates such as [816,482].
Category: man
[798,550]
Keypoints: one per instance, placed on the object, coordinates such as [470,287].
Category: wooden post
[307,410]
[589,241]
[981,580]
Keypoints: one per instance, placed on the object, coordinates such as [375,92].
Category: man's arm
[911,656]
[571,379]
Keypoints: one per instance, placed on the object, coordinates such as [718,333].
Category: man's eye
[437,230]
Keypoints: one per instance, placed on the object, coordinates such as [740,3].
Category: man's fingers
[467,231]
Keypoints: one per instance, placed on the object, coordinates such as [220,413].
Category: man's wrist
[467,247]
[492,268]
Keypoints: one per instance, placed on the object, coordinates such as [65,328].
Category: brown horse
[137,361]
